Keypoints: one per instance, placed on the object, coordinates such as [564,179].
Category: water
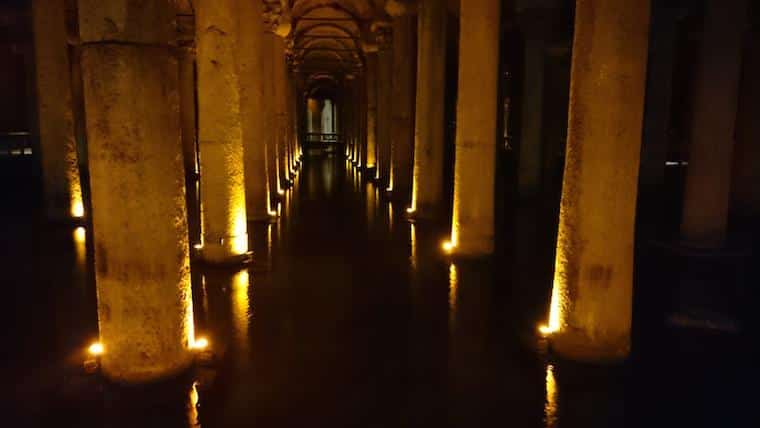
[350,316]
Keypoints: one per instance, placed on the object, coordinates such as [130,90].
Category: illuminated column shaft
[60,169]
[270,130]
[744,184]
[370,81]
[225,236]
[142,267]
[384,78]
[403,106]
[708,180]
[363,128]
[427,186]
[250,55]
[591,300]
[293,120]
[187,108]
[473,217]
[531,144]
[279,74]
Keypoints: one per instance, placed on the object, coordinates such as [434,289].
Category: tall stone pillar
[590,313]
[472,230]
[142,264]
[384,104]
[280,105]
[534,28]
[270,116]
[225,232]
[427,186]
[402,128]
[708,180]
[60,168]
[187,108]
[744,185]
[363,107]
[250,56]
[370,83]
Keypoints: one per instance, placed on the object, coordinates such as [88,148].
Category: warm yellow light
[410,210]
[550,406]
[96,349]
[198,246]
[448,246]
[280,192]
[80,235]
[77,209]
[545,330]
[200,344]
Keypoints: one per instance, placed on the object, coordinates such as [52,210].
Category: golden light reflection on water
[390,215]
[240,310]
[453,287]
[371,203]
[193,419]
[80,246]
[413,244]
[550,405]
[269,241]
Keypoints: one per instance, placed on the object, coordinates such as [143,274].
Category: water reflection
[550,406]
[453,287]
[413,245]
[241,312]
[371,202]
[193,403]
[80,249]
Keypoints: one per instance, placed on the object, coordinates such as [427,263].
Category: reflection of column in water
[193,419]
[240,312]
[270,255]
[550,406]
[370,202]
[390,216]
[453,286]
[80,249]
[413,244]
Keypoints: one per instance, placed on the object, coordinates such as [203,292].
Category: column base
[578,347]
[220,255]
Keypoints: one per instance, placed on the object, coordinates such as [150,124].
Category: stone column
[270,115]
[370,83]
[744,186]
[187,108]
[427,186]
[363,112]
[472,230]
[402,129]
[384,103]
[60,168]
[250,55]
[279,77]
[708,180]
[225,233]
[534,28]
[142,266]
[590,313]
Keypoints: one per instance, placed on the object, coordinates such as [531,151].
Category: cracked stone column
[590,312]
[472,231]
[250,54]
[142,266]
[60,168]
[225,232]
[402,129]
[427,186]
[716,92]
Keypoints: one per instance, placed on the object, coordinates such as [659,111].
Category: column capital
[383,33]
[277,19]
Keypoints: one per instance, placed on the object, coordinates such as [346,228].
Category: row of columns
[140,89]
